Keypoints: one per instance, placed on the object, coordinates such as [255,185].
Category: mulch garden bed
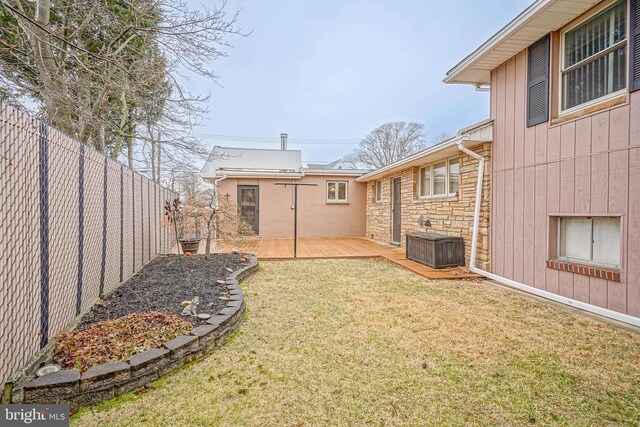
[146,310]
[160,286]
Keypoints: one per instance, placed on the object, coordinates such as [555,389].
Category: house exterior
[565,171]
[332,206]
[437,184]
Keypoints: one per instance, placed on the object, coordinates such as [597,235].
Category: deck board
[333,248]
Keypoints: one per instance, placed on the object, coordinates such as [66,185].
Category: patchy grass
[362,342]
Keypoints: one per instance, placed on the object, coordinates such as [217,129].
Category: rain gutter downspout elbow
[600,311]
[215,188]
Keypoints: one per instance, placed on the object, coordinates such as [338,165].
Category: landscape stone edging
[105,381]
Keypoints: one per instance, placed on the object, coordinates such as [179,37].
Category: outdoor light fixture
[424,222]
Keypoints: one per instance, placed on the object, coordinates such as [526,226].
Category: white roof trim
[335,172]
[539,19]
[470,136]
[254,174]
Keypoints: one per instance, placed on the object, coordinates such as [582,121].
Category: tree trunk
[153,152]
[129,142]
[159,156]
[210,228]
[128,139]
[55,87]
[100,142]
[123,122]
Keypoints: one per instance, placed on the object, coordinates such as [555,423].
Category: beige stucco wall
[449,215]
[316,217]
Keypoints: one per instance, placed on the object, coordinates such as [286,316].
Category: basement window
[336,191]
[590,240]
[594,58]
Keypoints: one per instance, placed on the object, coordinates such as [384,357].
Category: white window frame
[562,70]
[560,238]
[430,166]
[346,191]
[378,190]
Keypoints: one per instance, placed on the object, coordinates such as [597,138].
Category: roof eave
[468,71]
[335,172]
[253,174]
[465,136]
[498,37]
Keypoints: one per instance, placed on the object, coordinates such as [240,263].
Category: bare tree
[441,137]
[203,214]
[109,73]
[225,224]
[387,144]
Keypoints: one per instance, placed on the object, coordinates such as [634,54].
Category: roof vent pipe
[283,140]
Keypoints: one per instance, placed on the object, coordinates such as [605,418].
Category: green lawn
[362,342]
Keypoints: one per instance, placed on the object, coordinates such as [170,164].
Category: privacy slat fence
[73,225]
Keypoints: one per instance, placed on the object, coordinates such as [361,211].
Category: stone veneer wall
[448,215]
[105,381]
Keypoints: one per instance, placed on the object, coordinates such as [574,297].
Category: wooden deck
[319,248]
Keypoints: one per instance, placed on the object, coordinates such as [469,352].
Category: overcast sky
[334,70]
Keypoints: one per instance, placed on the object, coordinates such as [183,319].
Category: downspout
[621,317]
[215,188]
[476,211]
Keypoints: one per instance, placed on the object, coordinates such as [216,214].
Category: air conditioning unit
[435,250]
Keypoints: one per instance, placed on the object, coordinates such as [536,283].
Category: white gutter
[401,163]
[262,175]
[464,134]
[335,172]
[621,317]
[215,188]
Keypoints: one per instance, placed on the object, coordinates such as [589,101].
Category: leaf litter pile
[146,310]
[118,339]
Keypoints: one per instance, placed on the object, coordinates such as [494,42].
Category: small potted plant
[203,216]
[186,221]
[191,225]
[190,244]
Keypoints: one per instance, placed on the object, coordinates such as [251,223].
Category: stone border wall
[105,381]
